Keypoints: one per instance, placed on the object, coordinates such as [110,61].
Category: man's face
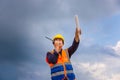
[58,42]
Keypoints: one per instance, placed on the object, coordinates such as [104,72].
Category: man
[59,58]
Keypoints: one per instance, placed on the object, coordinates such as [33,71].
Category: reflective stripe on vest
[59,67]
[61,73]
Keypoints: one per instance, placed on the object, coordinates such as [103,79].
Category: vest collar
[59,52]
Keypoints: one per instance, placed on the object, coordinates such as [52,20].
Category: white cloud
[98,71]
[116,48]
[106,68]
[115,77]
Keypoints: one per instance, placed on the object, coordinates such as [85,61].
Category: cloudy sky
[25,23]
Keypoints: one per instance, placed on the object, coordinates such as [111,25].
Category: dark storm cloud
[14,20]
[17,44]
[13,26]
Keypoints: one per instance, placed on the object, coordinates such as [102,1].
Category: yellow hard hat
[58,36]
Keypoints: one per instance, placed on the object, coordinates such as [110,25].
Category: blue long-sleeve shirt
[52,58]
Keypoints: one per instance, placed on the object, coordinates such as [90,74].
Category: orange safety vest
[62,68]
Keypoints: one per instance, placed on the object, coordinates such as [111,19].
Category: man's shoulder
[50,52]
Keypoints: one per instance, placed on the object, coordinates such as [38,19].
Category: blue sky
[25,23]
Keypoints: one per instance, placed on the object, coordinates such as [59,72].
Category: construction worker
[59,58]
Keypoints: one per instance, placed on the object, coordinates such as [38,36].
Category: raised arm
[76,41]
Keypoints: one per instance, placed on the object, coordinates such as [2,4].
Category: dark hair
[57,38]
